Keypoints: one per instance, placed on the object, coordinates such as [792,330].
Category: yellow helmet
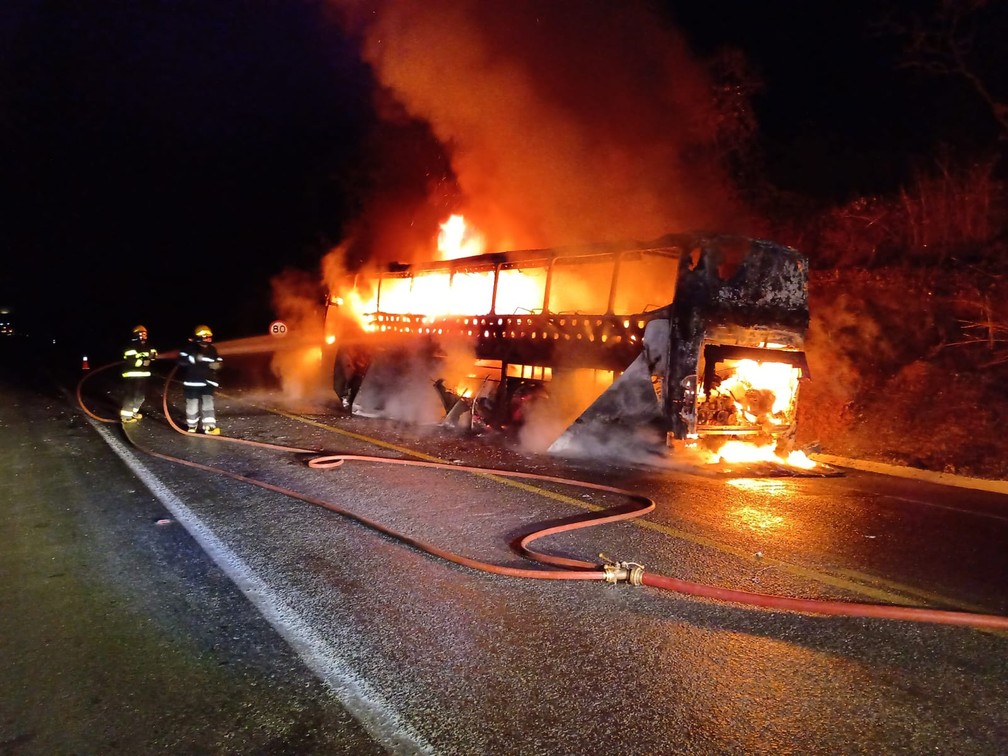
[203,332]
[140,331]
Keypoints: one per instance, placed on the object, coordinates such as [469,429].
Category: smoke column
[562,122]
[296,359]
[565,121]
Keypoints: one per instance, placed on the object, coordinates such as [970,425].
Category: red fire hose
[575,569]
[80,398]
[227,439]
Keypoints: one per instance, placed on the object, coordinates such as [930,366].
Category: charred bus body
[691,336]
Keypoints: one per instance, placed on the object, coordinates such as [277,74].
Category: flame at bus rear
[752,398]
[741,452]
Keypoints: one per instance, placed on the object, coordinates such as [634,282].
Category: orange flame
[758,397]
[456,240]
[740,452]
[762,392]
[440,293]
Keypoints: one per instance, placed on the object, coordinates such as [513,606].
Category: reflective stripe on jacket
[137,358]
[198,361]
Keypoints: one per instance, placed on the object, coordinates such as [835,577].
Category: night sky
[839,113]
[162,159]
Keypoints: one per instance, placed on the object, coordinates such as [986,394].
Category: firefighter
[200,362]
[352,363]
[136,371]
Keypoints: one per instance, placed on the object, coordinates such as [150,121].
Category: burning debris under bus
[689,340]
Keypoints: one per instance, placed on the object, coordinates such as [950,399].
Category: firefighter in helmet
[200,362]
[136,371]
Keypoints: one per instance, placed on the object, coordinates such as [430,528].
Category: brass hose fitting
[622,572]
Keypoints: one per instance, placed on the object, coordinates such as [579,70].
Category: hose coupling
[622,572]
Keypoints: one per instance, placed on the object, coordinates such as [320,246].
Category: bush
[950,213]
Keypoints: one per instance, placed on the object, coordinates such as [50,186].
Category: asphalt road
[149,606]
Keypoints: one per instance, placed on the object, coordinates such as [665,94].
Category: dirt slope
[893,381]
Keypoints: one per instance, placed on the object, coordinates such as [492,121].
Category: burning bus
[690,339]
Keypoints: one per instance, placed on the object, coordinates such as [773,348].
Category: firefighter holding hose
[136,372]
[200,362]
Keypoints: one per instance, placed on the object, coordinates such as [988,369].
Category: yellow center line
[849,580]
[428,458]
[357,436]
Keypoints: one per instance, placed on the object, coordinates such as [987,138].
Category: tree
[735,85]
[959,38]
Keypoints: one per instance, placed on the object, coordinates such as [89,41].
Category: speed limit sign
[278,328]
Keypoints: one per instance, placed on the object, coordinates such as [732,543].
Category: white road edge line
[369,708]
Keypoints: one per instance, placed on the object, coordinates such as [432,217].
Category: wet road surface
[120,635]
[355,642]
